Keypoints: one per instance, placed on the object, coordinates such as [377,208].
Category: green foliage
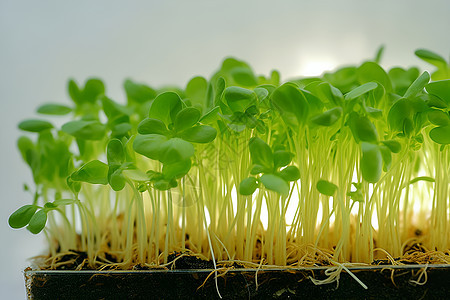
[35,125]
[21,217]
[94,172]
[54,109]
[291,103]
[239,99]
[371,162]
[165,107]
[124,176]
[325,187]
[248,186]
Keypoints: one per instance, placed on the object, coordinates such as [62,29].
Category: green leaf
[275,183]
[74,91]
[394,146]
[379,54]
[371,162]
[152,126]
[54,109]
[440,89]
[211,116]
[438,117]
[92,90]
[219,87]
[139,93]
[290,173]
[196,91]
[281,158]
[362,129]
[95,172]
[149,145]
[165,107]
[400,111]
[361,90]
[85,130]
[115,111]
[261,153]
[432,58]
[37,222]
[135,174]
[22,216]
[175,150]
[356,196]
[325,187]
[114,152]
[248,186]
[115,178]
[74,186]
[186,118]
[121,130]
[163,184]
[243,76]
[374,112]
[257,169]
[199,134]
[60,202]
[35,125]
[176,170]
[328,118]
[261,94]
[370,71]
[27,149]
[441,135]
[329,93]
[239,99]
[418,85]
[49,206]
[291,103]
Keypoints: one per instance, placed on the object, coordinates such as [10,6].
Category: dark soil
[189,280]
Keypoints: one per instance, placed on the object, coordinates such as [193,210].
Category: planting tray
[389,282]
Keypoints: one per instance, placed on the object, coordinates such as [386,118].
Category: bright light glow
[316,66]
[207,216]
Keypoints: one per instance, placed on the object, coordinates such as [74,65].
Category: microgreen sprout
[348,167]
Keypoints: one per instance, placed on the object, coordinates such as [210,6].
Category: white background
[43,43]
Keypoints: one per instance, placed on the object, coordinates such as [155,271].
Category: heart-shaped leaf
[175,150]
[290,173]
[165,107]
[186,118]
[275,183]
[328,118]
[238,98]
[199,134]
[95,172]
[149,145]
[291,103]
[22,216]
[261,153]
[152,126]
[176,170]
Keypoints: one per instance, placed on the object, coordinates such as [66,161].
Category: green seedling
[342,168]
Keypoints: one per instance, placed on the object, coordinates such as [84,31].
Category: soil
[189,277]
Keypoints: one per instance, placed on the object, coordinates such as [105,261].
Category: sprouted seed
[331,170]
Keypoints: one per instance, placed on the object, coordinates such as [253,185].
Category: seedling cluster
[351,166]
